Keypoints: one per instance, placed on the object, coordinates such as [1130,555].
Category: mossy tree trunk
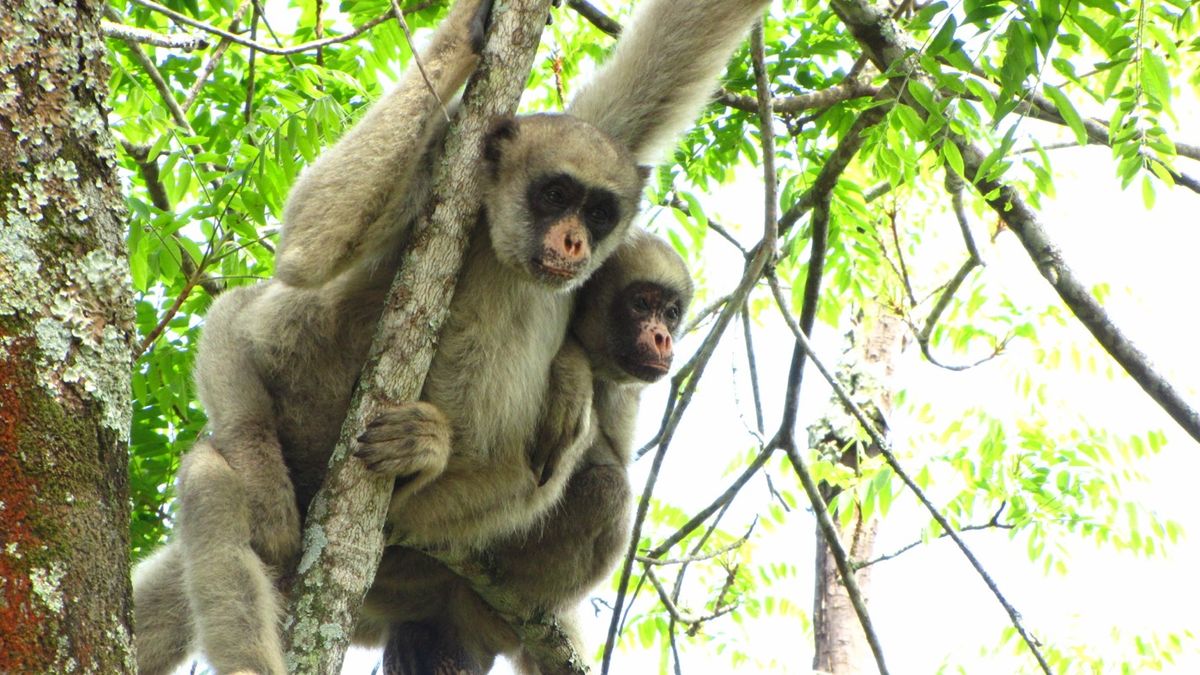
[66,325]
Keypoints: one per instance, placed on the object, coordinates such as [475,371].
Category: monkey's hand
[410,441]
[566,412]
[478,26]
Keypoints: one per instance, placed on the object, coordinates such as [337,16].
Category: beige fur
[278,361]
[551,566]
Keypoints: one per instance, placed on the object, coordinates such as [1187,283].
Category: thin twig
[717,504]
[752,364]
[700,316]
[213,59]
[698,557]
[814,100]
[396,12]
[954,185]
[250,82]
[266,49]
[992,524]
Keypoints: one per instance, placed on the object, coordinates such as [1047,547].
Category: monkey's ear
[644,173]
[502,129]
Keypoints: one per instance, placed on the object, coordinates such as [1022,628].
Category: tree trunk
[840,645]
[66,326]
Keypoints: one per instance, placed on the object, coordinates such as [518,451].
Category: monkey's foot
[275,529]
[410,441]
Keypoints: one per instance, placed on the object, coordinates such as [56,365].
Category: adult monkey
[626,318]
[279,360]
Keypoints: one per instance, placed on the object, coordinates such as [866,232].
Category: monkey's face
[644,317]
[568,217]
[561,197]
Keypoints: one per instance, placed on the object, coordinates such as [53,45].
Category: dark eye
[554,195]
[672,314]
[641,304]
[598,214]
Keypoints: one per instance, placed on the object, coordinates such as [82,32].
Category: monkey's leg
[553,566]
[162,623]
[242,416]
[410,441]
[426,649]
[351,204]
[232,596]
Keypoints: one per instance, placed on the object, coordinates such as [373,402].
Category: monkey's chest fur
[489,376]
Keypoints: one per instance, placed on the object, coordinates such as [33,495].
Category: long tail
[664,70]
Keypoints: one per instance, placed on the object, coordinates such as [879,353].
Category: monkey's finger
[547,473]
[382,434]
[551,464]
[539,454]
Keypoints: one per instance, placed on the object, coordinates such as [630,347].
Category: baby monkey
[621,338]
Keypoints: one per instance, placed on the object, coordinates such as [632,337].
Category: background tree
[66,326]
[895,151]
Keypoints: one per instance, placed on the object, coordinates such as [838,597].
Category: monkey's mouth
[649,370]
[555,273]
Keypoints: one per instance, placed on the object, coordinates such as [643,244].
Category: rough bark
[66,328]
[840,645]
[344,537]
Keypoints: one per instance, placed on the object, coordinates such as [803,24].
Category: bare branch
[992,524]
[126,33]
[214,58]
[698,557]
[597,18]
[823,98]
[396,12]
[266,49]
[717,504]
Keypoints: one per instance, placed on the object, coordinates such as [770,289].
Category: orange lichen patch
[21,618]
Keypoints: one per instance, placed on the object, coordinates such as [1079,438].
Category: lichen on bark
[66,328]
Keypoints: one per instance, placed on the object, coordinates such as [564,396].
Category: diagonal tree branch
[344,537]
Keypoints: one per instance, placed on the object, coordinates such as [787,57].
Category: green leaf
[953,157]
[1068,112]
[922,94]
[944,37]
[1147,191]
[1155,80]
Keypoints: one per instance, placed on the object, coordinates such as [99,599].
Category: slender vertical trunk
[66,325]
[877,342]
